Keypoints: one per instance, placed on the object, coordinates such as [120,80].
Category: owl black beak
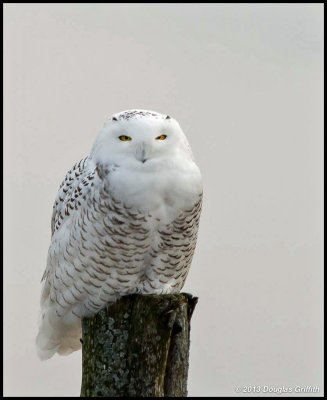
[142,153]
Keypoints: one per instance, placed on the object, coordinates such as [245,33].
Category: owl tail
[57,334]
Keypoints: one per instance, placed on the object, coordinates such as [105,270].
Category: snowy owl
[125,221]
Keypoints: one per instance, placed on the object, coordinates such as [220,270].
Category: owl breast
[163,193]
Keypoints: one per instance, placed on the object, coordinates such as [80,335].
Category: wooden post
[138,347]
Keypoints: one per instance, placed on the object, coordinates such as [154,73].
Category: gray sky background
[245,81]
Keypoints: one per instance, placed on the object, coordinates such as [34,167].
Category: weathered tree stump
[138,347]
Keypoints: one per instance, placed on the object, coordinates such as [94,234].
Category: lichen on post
[138,347]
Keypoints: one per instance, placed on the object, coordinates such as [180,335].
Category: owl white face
[140,139]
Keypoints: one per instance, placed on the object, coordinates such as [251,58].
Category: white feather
[125,220]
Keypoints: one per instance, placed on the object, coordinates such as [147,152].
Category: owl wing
[72,192]
[72,189]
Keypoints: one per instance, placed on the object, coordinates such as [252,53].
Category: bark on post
[138,347]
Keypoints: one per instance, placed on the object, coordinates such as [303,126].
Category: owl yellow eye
[161,137]
[125,138]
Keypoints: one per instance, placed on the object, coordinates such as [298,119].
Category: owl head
[140,139]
